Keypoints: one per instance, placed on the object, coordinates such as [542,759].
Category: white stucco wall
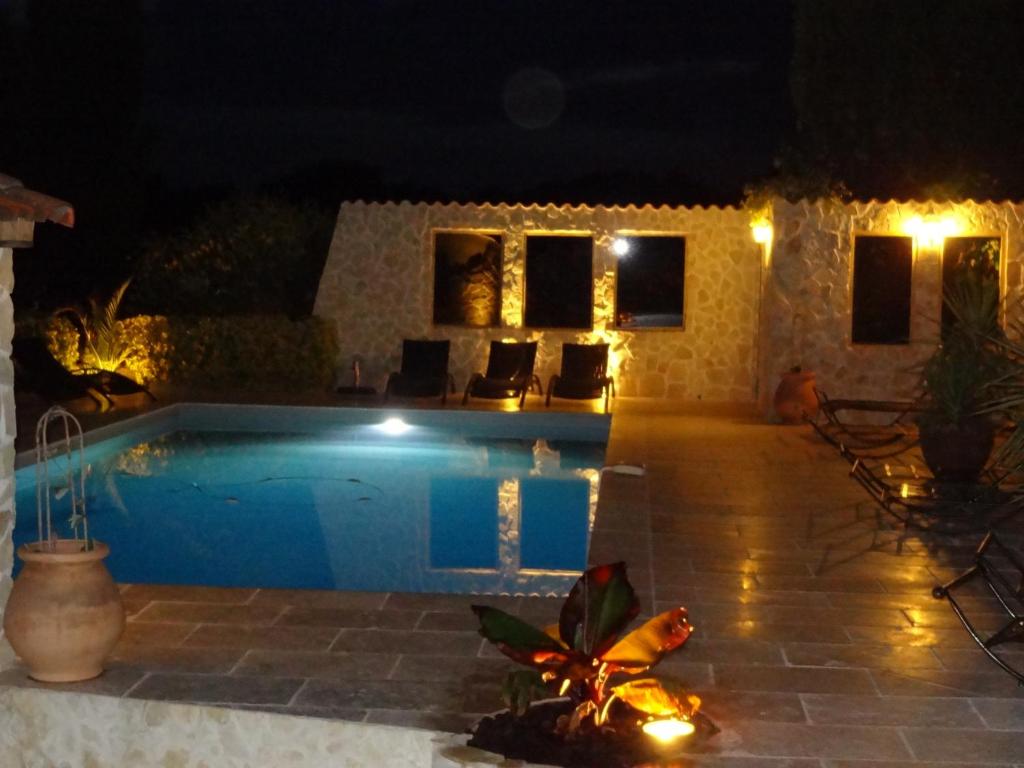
[377,286]
[807,307]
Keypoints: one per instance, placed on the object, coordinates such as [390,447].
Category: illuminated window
[559,281]
[467,279]
[967,255]
[882,269]
[649,281]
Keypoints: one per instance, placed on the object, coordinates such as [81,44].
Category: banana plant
[585,649]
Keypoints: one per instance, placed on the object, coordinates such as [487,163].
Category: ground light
[393,426]
[668,730]
[620,247]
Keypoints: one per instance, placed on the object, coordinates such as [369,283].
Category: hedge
[252,352]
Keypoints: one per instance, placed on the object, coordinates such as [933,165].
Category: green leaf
[500,627]
[645,646]
[599,606]
[521,688]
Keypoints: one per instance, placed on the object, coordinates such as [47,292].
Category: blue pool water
[218,498]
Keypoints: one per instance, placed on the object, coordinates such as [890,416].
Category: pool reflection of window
[464,522]
[554,522]
[649,283]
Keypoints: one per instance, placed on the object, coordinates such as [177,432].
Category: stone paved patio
[817,642]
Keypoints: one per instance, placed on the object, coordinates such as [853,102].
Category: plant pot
[795,399]
[957,452]
[64,615]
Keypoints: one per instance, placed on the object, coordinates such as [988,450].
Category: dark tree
[910,98]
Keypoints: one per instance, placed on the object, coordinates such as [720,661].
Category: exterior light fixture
[762,232]
[930,232]
[621,247]
[668,730]
[393,426]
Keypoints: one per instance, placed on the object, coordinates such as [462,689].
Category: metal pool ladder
[53,483]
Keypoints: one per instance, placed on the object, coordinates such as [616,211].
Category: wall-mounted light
[621,247]
[761,231]
[930,233]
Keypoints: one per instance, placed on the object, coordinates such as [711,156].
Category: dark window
[968,256]
[467,279]
[559,282]
[649,284]
[882,268]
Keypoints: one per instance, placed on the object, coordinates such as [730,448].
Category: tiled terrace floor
[817,644]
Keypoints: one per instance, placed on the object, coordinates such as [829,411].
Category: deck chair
[584,374]
[1000,570]
[424,371]
[509,373]
[40,372]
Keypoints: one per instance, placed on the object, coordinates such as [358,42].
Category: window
[559,281]
[962,256]
[467,279]
[649,284]
[882,269]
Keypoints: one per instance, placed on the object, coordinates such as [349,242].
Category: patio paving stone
[318,664]
[422,643]
[837,709]
[348,618]
[959,745]
[242,636]
[208,613]
[216,689]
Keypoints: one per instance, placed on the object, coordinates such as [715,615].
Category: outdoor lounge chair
[1000,570]
[509,373]
[40,372]
[584,374]
[424,371]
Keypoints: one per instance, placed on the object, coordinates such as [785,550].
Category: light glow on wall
[930,233]
[761,231]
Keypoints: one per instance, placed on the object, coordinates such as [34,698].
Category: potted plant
[959,381]
[609,714]
[64,615]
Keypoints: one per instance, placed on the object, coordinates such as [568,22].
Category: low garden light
[669,729]
[621,247]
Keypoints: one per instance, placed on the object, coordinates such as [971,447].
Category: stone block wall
[7,431]
[377,286]
[807,303]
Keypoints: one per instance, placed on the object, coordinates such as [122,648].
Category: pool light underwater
[393,426]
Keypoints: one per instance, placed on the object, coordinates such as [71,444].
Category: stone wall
[377,285]
[807,304]
[7,430]
[61,728]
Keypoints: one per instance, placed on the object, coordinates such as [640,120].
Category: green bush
[242,256]
[245,352]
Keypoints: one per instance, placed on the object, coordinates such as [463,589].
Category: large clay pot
[794,398]
[64,615]
[956,452]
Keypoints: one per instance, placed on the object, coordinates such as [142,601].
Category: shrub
[252,352]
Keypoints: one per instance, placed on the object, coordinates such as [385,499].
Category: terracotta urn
[64,615]
[795,399]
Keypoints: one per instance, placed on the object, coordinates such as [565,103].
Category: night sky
[143,112]
[496,99]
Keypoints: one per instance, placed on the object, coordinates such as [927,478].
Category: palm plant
[100,344]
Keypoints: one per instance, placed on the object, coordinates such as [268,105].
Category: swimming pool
[325,498]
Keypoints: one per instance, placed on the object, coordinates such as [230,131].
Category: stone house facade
[751,309]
